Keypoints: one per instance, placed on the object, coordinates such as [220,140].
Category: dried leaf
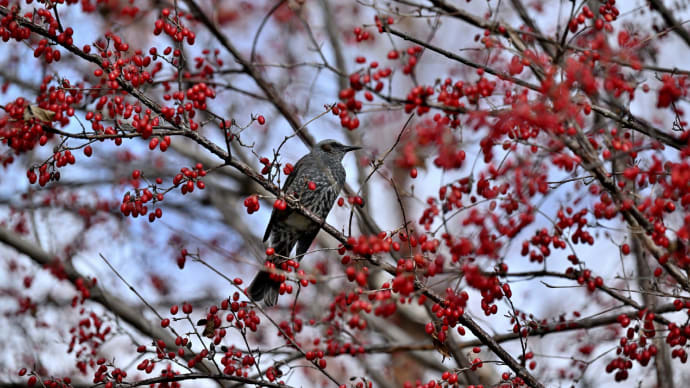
[35,112]
[440,347]
[209,327]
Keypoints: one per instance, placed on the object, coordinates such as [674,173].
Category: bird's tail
[263,287]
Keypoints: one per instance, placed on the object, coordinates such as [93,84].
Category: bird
[315,181]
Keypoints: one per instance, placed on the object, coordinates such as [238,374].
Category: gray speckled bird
[323,166]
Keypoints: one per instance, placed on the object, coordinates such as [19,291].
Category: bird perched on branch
[315,182]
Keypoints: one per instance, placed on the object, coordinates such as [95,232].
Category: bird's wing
[305,241]
[277,215]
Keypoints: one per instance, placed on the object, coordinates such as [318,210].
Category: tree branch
[666,13]
[117,306]
[200,376]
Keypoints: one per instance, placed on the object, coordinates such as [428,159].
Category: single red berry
[261,120]
[88,151]
[270,251]
[165,322]
[311,185]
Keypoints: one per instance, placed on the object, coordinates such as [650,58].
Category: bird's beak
[352,148]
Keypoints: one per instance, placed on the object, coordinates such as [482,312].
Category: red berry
[261,120]
[153,143]
[88,151]
[280,204]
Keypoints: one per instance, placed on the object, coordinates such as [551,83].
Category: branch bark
[199,376]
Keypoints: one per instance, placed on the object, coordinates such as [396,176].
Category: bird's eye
[328,147]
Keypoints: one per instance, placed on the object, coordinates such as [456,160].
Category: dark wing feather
[267,234]
[305,241]
[277,215]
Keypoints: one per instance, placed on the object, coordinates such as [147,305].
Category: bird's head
[332,149]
